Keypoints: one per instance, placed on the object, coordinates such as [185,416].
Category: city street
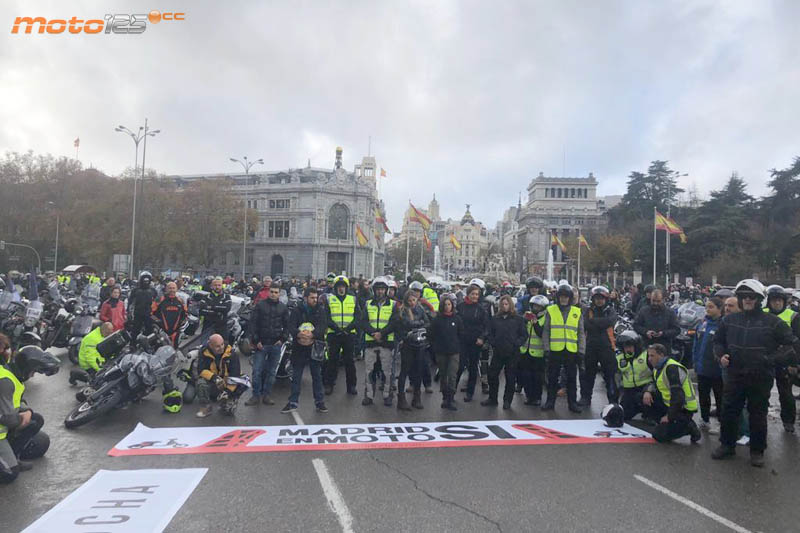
[582,487]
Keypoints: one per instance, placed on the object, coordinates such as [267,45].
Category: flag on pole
[427,241]
[661,222]
[683,238]
[582,242]
[454,242]
[554,240]
[378,236]
[673,227]
[380,218]
[362,239]
[418,216]
[77,142]
[383,172]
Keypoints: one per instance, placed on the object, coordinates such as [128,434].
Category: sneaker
[321,408]
[254,400]
[468,398]
[289,408]
[744,441]
[756,459]
[533,402]
[574,408]
[723,451]
[429,390]
[549,405]
[328,390]
[266,400]
[788,428]
[366,401]
[704,425]
[204,412]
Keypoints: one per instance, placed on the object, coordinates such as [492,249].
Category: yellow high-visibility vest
[564,336]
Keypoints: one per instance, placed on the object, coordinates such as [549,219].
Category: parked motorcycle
[690,315]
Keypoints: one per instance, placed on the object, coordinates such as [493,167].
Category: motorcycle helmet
[540,300]
[534,281]
[724,293]
[750,286]
[392,284]
[415,286]
[613,415]
[31,359]
[378,282]
[69,305]
[173,401]
[478,282]
[145,277]
[630,337]
[330,277]
[565,289]
[776,291]
[601,291]
[339,280]
[2,283]
[417,337]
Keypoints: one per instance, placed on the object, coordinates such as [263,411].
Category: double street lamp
[247,165]
[143,133]
[58,223]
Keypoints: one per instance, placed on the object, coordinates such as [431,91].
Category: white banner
[166,441]
[122,501]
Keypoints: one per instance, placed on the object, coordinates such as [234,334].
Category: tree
[658,188]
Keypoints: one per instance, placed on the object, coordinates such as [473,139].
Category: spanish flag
[362,239]
[383,173]
[673,226]
[427,241]
[381,219]
[582,242]
[454,242]
[418,216]
[554,240]
[683,238]
[661,222]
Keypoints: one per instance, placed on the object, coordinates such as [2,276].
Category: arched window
[559,192]
[338,222]
[547,193]
[572,193]
[276,266]
[586,193]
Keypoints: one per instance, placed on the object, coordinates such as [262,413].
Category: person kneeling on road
[21,437]
[217,363]
[635,375]
[89,359]
[672,397]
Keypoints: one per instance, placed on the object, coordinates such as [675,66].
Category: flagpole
[421,249]
[579,258]
[408,239]
[375,222]
[655,235]
[668,235]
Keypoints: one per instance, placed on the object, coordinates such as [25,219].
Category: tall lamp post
[58,223]
[246,165]
[142,133]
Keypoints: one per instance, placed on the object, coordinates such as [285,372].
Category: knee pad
[36,447]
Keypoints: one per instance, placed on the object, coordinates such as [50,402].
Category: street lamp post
[137,137]
[58,223]
[246,165]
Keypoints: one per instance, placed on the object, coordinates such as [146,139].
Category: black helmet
[145,276]
[31,359]
[600,290]
[724,293]
[649,288]
[776,291]
[629,337]
[565,289]
[613,415]
[534,281]
[69,305]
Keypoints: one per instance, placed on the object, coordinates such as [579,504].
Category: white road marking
[329,487]
[335,500]
[699,508]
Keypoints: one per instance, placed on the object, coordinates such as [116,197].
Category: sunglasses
[749,297]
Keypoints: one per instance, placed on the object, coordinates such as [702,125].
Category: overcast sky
[468,100]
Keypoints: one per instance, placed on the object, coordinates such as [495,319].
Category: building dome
[467,218]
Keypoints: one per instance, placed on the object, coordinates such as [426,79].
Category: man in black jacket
[747,345]
[378,327]
[216,308]
[140,304]
[656,323]
[599,320]
[269,327]
[307,324]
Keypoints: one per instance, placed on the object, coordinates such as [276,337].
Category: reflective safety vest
[379,316]
[635,372]
[787,315]
[342,312]
[433,298]
[663,385]
[564,336]
[16,399]
[534,347]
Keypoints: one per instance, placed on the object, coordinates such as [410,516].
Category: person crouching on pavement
[635,374]
[672,397]
[89,359]
[307,325]
[506,334]
[218,362]
[446,331]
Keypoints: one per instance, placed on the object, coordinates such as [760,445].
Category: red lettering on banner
[234,439]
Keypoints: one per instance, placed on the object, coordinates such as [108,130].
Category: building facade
[307,220]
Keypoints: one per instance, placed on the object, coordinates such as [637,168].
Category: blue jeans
[265,365]
[298,366]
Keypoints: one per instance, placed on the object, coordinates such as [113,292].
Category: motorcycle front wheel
[86,412]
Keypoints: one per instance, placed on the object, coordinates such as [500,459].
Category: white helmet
[392,284]
[378,281]
[478,282]
[750,285]
[540,300]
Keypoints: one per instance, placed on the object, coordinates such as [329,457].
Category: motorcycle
[130,378]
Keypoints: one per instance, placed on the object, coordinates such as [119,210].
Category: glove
[219,382]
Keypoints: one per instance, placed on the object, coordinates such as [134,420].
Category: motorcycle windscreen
[91,295]
[52,290]
[33,312]
[81,326]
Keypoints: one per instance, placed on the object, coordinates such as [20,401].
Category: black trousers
[569,361]
[411,361]
[784,382]
[673,429]
[19,439]
[140,325]
[500,361]
[631,401]
[340,346]
[608,363]
[753,387]
[531,373]
[705,385]
[469,357]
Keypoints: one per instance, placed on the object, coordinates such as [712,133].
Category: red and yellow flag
[582,242]
[362,238]
[661,222]
[554,240]
[418,216]
[454,242]
[427,241]
[683,238]
[383,173]
[673,226]
[381,219]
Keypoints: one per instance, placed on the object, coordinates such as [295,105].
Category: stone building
[307,221]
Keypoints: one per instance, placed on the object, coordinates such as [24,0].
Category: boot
[387,401]
[550,404]
[416,402]
[723,451]
[450,404]
[585,401]
[573,406]
[756,458]
[402,405]
[694,431]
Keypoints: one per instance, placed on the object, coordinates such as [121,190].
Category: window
[248,258]
[337,223]
[369,172]
[276,266]
[572,193]
[559,192]
[586,193]
[337,262]
[278,229]
[552,192]
[580,193]
[223,258]
[553,220]
[236,259]
[565,221]
[280,204]
[547,193]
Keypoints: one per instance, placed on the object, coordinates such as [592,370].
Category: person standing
[532,365]
[656,323]
[506,335]
[216,308]
[706,366]
[377,324]
[112,310]
[476,326]
[410,322]
[140,302]
[564,340]
[170,312]
[269,326]
[446,331]
[746,344]
[342,322]
[600,319]
[777,304]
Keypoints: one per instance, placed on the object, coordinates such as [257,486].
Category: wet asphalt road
[588,487]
